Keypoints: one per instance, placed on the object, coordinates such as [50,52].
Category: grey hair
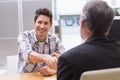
[98,17]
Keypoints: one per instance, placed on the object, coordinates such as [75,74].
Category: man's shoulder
[71,52]
[52,36]
[27,32]
[26,35]
[77,51]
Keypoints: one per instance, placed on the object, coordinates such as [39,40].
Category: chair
[12,63]
[105,74]
[3,72]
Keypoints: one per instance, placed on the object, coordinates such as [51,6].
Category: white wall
[69,7]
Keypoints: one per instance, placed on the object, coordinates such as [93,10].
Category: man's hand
[55,54]
[47,59]
[46,71]
[50,61]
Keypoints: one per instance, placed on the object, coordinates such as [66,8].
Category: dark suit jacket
[96,53]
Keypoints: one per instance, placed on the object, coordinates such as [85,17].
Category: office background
[17,16]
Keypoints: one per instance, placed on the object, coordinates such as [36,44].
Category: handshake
[50,61]
[51,64]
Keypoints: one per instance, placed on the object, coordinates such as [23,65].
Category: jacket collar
[97,38]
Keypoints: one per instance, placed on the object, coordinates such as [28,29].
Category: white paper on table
[50,79]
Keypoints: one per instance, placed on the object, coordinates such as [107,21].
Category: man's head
[96,18]
[43,11]
[42,23]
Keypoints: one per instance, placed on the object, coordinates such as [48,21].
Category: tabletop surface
[25,76]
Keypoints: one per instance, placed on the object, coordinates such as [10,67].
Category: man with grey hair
[97,52]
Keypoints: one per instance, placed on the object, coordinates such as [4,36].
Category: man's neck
[41,38]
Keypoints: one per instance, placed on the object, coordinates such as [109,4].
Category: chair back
[12,63]
[104,74]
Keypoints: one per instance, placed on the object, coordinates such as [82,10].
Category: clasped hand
[51,65]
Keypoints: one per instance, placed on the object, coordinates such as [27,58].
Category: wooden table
[25,76]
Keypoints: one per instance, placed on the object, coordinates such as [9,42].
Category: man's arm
[47,70]
[51,61]
[45,58]
[64,70]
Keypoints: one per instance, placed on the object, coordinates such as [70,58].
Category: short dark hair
[43,11]
[99,17]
